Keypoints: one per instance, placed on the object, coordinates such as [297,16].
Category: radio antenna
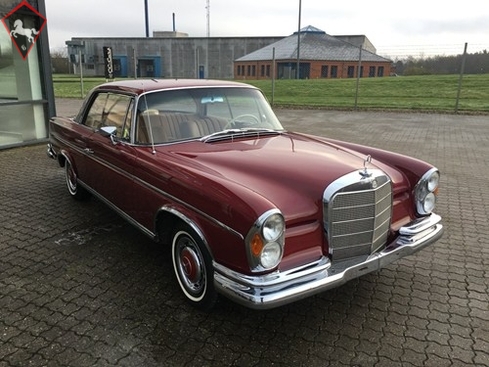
[208,15]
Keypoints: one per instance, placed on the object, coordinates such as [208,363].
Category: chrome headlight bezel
[265,241]
[426,191]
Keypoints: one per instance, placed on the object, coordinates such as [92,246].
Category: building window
[334,71]
[268,70]
[253,70]
[262,70]
[22,111]
[249,70]
[351,71]
[380,71]
[371,72]
[324,71]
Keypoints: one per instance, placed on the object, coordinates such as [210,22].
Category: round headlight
[271,255]
[426,191]
[429,203]
[433,181]
[273,227]
[265,241]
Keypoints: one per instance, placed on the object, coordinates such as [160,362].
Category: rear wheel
[193,268]
[75,190]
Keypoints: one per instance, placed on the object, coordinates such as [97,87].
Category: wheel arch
[62,158]
[168,218]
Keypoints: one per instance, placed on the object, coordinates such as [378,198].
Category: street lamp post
[146,17]
[299,43]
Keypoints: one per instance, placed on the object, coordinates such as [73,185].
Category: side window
[111,109]
[95,113]
[125,132]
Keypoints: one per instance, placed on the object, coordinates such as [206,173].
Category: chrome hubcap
[190,265]
[191,270]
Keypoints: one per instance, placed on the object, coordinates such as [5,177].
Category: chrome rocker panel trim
[280,288]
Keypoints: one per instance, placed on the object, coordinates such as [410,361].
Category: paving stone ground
[80,287]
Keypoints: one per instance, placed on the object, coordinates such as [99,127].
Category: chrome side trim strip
[150,186]
[187,205]
[125,216]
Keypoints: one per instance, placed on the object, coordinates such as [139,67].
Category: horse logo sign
[24,25]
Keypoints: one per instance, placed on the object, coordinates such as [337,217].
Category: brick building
[320,56]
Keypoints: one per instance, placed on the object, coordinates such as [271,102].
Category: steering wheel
[248,118]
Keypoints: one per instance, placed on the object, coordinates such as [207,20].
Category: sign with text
[109,63]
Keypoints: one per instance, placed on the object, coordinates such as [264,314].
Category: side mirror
[108,130]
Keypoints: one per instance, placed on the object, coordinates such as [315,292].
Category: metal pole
[208,16]
[359,71]
[146,17]
[81,72]
[462,69]
[273,74]
[135,63]
[297,74]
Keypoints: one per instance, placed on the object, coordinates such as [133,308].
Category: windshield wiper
[237,132]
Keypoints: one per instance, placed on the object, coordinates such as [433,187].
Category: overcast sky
[396,28]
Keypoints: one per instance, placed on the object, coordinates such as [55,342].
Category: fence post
[358,77]
[460,77]
[273,74]
[82,90]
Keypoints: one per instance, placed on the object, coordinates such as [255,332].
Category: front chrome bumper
[51,152]
[279,288]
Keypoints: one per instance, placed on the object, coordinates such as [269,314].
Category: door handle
[88,151]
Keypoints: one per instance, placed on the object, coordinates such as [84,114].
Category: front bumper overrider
[51,153]
[280,288]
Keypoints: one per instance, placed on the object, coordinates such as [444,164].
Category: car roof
[139,86]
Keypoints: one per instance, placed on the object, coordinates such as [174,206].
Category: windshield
[174,115]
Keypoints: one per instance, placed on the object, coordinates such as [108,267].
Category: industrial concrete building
[166,54]
[175,55]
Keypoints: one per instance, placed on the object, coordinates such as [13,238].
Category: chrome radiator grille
[357,214]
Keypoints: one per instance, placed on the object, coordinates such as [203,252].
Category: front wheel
[75,190]
[193,268]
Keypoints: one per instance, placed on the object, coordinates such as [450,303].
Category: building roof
[315,44]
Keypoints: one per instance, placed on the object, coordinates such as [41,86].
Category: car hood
[290,170]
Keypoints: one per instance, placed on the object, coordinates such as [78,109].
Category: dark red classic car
[251,211]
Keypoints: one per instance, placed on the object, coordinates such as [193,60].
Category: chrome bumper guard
[279,288]
[50,152]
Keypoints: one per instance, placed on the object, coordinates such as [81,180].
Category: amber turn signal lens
[256,245]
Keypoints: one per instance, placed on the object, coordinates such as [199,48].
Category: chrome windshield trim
[238,133]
